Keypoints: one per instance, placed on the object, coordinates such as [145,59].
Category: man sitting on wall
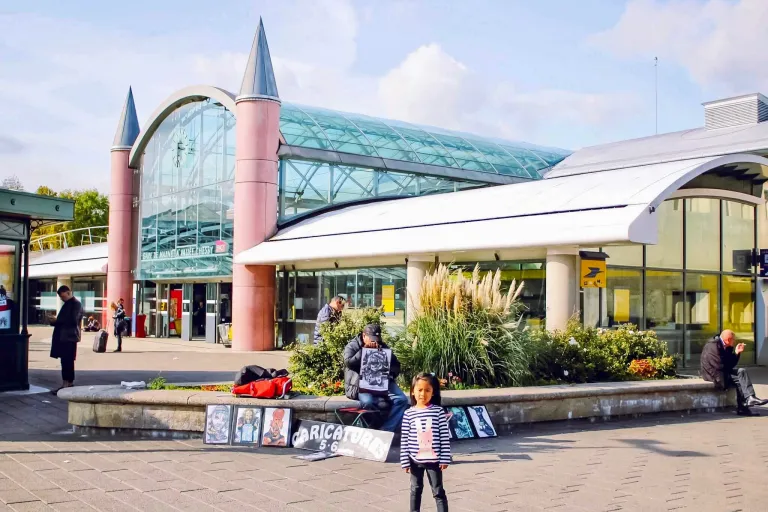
[331,312]
[718,364]
[395,398]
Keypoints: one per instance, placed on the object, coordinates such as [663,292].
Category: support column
[562,282]
[62,281]
[417,268]
[258,138]
[119,276]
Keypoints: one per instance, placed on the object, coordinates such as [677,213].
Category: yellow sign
[388,299]
[593,273]
[620,305]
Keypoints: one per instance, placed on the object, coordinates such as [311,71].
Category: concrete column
[62,281]
[562,282]
[253,287]
[417,268]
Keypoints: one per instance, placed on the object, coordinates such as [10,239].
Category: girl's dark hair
[429,377]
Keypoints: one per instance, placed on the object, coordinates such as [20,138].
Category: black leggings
[68,355]
[435,476]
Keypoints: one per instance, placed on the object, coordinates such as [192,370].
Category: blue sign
[763,262]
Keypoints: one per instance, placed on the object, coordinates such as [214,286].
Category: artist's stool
[363,417]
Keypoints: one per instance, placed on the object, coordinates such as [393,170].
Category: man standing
[353,353]
[66,336]
[331,312]
[718,364]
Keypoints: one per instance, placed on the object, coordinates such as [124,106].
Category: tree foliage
[12,182]
[91,209]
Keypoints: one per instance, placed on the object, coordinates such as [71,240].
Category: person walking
[66,336]
[718,365]
[119,318]
[425,446]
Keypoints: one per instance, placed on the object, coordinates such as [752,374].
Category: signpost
[763,262]
[361,443]
[592,269]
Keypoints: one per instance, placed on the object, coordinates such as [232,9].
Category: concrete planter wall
[111,407]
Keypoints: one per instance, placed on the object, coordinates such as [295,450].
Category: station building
[244,208]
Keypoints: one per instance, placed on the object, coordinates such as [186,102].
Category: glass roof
[317,128]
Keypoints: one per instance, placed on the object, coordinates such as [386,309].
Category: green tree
[91,209]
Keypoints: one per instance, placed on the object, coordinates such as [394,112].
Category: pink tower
[258,137]
[119,277]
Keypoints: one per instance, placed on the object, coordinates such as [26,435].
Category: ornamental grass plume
[464,325]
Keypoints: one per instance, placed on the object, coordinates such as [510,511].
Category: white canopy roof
[85,260]
[587,210]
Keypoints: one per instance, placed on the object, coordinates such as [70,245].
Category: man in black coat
[353,353]
[66,336]
[718,365]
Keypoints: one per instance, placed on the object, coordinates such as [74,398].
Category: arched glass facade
[698,280]
[187,195]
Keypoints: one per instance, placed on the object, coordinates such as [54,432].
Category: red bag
[266,388]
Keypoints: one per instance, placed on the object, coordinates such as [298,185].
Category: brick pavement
[705,462]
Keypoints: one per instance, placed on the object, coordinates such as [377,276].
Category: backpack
[279,387]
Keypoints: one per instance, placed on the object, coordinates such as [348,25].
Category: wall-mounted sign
[221,247]
[388,299]
[763,262]
[173,254]
[592,269]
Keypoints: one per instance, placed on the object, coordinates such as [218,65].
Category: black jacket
[353,354]
[717,361]
[67,326]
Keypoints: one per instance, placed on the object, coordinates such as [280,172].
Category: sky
[552,72]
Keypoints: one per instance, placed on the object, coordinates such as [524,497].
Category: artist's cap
[373,331]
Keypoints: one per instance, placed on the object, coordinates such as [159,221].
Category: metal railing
[60,240]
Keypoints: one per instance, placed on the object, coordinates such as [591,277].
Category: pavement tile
[65,480]
[16,496]
[71,506]
[102,501]
[210,497]
[54,496]
[30,506]
[102,481]
[142,501]
[180,500]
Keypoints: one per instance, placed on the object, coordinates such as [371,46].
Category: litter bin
[141,331]
[224,333]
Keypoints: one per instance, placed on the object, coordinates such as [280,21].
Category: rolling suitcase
[100,341]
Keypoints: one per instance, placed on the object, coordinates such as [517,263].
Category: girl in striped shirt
[425,446]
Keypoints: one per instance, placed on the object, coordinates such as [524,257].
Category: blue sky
[560,73]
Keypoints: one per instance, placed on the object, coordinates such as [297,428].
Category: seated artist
[395,398]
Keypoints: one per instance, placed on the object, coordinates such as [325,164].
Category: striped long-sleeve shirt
[425,437]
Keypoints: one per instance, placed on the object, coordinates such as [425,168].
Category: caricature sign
[361,443]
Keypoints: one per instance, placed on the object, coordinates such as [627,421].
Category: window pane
[739,312]
[668,252]
[625,255]
[8,311]
[664,306]
[701,314]
[624,297]
[702,233]
[738,236]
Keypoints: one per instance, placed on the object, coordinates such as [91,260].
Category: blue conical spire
[128,126]
[259,78]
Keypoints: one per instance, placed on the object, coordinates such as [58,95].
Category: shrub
[464,328]
[587,354]
[319,369]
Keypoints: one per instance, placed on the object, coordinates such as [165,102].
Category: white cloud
[720,43]
[62,92]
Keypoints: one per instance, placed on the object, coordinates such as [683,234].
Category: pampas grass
[465,326]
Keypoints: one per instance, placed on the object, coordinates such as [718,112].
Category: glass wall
[532,273]
[308,291]
[307,185]
[187,194]
[696,282]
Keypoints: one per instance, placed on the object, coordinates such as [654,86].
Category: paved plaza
[702,462]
